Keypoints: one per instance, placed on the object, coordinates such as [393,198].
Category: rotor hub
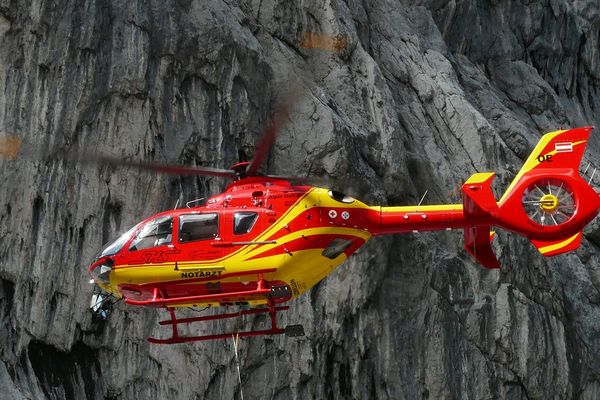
[549,203]
[240,169]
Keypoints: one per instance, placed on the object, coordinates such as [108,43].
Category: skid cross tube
[175,338]
[221,316]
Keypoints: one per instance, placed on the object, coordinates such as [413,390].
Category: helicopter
[266,240]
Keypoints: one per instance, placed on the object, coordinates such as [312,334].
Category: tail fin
[556,150]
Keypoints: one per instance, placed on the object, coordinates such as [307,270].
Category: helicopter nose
[100,271]
[100,303]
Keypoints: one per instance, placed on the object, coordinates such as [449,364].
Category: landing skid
[262,291]
[290,330]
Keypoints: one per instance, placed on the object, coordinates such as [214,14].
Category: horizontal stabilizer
[555,247]
[478,198]
[478,242]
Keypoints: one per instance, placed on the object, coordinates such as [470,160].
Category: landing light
[102,272]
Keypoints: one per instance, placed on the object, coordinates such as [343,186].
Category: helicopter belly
[308,265]
[307,269]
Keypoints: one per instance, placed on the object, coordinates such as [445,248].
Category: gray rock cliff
[421,95]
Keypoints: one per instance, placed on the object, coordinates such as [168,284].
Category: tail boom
[547,202]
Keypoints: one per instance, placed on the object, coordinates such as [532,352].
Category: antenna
[177,204]
[193,201]
[586,168]
[421,201]
[589,164]
[592,177]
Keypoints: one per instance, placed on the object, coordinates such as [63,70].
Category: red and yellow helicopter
[265,241]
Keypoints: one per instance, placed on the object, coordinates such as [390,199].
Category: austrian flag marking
[566,147]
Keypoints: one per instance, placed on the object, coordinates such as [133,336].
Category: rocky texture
[423,94]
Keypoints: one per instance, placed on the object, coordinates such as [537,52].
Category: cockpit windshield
[157,232]
[116,246]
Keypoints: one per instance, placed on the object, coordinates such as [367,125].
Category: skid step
[294,330]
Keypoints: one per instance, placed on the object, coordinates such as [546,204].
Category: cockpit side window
[198,227]
[117,245]
[157,232]
[243,222]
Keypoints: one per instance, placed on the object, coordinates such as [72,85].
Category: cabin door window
[243,222]
[198,227]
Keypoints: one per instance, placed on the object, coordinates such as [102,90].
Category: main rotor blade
[261,151]
[311,180]
[13,146]
[180,170]
[264,145]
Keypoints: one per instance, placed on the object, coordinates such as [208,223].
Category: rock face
[412,96]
